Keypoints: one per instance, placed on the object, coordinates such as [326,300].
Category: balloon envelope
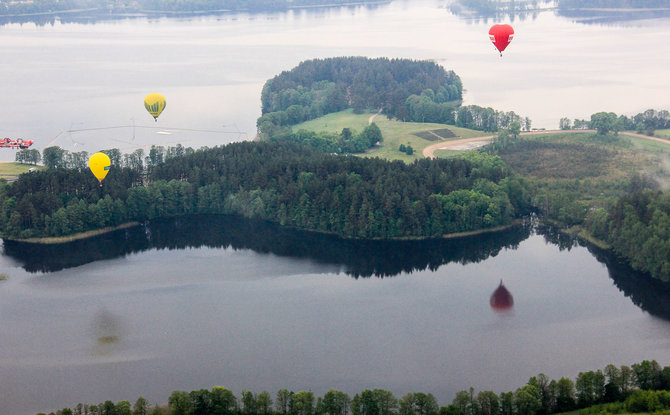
[501,35]
[155,104]
[501,299]
[99,164]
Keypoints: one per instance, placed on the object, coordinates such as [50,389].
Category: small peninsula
[598,183]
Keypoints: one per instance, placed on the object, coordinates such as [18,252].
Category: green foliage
[407,149]
[285,183]
[605,122]
[31,156]
[539,396]
[322,86]
[594,181]
[347,141]
[485,119]
[639,227]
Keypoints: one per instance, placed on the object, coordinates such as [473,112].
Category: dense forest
[401,88]
[284,183]
[347,141]
[638,228]
[644,122]
[640,388]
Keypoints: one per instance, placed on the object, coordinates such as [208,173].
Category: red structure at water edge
[19,143]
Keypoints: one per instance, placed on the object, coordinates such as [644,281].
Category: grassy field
[576,155]
[394,132]
[662,134]
[10,170]
[445,154]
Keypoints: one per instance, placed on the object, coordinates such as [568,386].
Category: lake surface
[195,302]
[80,85]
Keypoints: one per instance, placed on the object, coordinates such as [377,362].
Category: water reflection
[613,16]
[490,11]
[97,16]
[651,295]
[107,333]
[501,300]
[357,258]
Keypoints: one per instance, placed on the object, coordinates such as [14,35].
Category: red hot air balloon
[501,35]
[501,299]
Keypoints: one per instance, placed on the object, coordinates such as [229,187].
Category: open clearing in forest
[573,155]
[394,132]
[9,170]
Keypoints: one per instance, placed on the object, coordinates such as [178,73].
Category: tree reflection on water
[357,258]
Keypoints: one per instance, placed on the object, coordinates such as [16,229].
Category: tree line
[285,183]
[640,388]
[346,142]
[644,122]
[638,228]
[424,108]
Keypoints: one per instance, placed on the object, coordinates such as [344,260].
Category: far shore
[515,222]
[52,240]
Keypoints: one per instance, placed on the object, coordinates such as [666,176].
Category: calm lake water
[193,304]
[61,78]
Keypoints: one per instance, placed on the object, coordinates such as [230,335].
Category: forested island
[640,388]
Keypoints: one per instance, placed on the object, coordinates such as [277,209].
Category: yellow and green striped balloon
[155,104]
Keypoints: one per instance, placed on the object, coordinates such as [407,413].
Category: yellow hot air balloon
[155,104]
[99,164]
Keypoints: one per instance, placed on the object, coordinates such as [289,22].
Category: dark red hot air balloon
[501,299]
[501,35]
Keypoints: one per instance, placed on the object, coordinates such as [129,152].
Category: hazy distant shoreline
[103,13]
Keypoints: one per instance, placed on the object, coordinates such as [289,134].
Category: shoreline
[103,13]
[53,240]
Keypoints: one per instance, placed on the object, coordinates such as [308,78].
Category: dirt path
[372,117]
[470,143]
[462,144]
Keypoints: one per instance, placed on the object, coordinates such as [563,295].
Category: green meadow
[394,132]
